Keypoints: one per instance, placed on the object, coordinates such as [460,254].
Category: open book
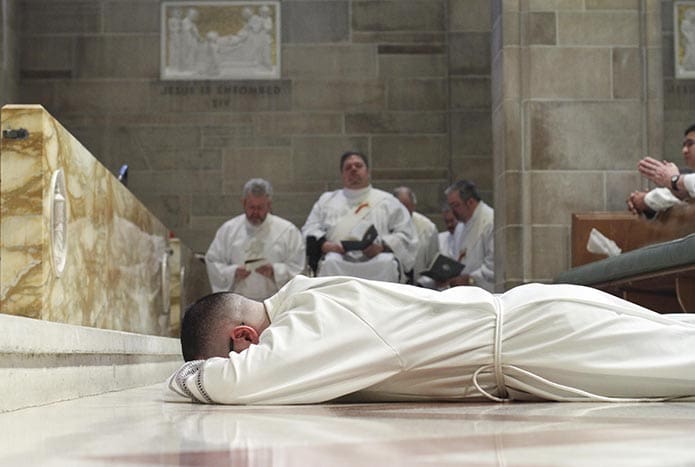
[252,264]
[367,239]
[443,268]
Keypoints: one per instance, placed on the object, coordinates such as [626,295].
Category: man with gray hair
[476,248]
[254,254]
[428,238]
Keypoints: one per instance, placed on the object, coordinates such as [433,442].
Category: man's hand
[241,273]
[635,202]
[333,247]
[374,249]
[266,270]
[463,279]
[659,172]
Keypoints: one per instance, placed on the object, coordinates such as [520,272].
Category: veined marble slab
[189,281]
[115,252]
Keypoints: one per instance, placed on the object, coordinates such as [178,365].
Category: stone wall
[578,90]
[679,94]
[577,102]
[405,82]
[9,52]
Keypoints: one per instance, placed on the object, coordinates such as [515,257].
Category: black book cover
[443,268]
[367,239]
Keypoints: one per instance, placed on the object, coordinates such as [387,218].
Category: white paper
[601,245]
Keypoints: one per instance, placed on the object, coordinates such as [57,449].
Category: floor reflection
[137,427]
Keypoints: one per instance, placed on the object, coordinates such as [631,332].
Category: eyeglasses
[688,142]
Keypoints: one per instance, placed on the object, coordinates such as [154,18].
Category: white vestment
[447,241]
[336,213]
[276,241]
[476,247]
[377,341]
[428,243]
[660,199]
[689,183]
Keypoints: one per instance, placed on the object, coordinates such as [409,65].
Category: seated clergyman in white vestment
[476,243]
[255,253]
[319,339]
[428,239]
[346,214]
[448,245]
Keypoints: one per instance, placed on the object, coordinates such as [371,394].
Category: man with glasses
[476,248]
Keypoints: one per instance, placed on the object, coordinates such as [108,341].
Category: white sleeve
[295,257]
[660,199]
[486,272]
[218,262]
[689,183]
[402,236]
[432,248]
[314,225]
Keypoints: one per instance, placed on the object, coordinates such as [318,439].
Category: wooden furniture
[656,268]
[627,230]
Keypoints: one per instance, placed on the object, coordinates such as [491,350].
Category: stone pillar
[577,101]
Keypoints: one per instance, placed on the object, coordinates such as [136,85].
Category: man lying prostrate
[318,339]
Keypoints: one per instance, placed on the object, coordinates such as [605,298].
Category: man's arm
[659,172]
[294,258]
[686,184]
[314,224]
[218,262]
[401,237]
[486,272]
[315,227]
[660,199]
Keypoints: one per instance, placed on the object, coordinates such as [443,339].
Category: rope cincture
[496,362]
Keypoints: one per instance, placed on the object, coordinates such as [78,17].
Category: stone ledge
[44,362]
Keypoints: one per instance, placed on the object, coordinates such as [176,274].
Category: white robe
[428,243]
[476,247]
[369,205]
[277,241]
[689,183]
[376,341]
[447,241]
[660,199]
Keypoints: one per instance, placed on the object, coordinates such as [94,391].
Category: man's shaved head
[203,322]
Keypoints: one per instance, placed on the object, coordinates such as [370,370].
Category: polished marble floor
[138,427]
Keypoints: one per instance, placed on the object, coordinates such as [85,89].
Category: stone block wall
[407,82]
[679,94]
[577,100]
[551,102]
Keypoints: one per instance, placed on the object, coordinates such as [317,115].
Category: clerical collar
[356,194]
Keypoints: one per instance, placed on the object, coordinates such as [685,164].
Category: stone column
[576,102]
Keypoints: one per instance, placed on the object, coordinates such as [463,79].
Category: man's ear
[243,336]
